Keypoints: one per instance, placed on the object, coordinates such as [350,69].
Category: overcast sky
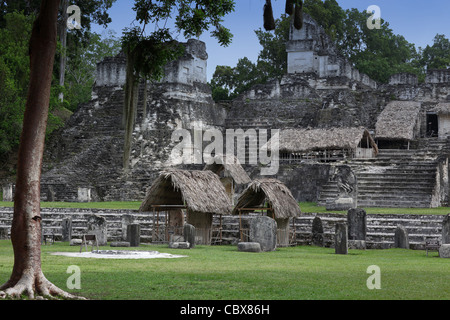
[417,20]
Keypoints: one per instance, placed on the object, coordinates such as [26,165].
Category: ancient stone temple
[88,151]
[398,154]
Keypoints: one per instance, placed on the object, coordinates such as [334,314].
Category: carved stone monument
[127,219]
[341,239]
[66,229]
[263,230]
[134,234]
[357,223]
[97,225]
[401,239]
[446,229]
[347,197]
[317,232]
[189,234]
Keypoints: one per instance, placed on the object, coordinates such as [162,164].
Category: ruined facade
[320,90]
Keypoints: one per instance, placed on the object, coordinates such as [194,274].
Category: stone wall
[380,227]
[304,180]
[111,71]
[191,67]
[300,101]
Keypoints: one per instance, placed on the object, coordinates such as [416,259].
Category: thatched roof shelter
[231,167]
[199,191]
[398,121]
[305,140]
[272,191]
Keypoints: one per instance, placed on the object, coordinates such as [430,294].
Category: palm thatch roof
[231,168]
[398,121]
[199,191]
[272,191]
[305,140]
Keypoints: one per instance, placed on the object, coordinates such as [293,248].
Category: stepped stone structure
[321,90]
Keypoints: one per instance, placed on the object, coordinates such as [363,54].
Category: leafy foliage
[82,64]
[227,82]
[14,74]
[192,18]
[436,56]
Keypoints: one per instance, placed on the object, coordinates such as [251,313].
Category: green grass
[311,207]
[223,273]
[306,207]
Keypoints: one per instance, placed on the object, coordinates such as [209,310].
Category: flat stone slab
[179,245]
[357,244]
[249,247]
[75,242]
[118,254]
[120,244]
[444,251]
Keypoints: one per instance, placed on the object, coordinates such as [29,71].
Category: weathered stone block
[75,242]
[317,232]
[4,233]
[189,234]
[249,247]
[126,220]
[84,195]
[444,251]
[179,245]
[341,238]
[134,234]
[356,222]
[97,225]
[264,231]
[66,229]
[357,244]
[446,229]
[340,204]
[401,238]
[7,192]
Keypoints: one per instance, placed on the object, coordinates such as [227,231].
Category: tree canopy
[84,49]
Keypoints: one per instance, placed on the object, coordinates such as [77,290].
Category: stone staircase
[395,178]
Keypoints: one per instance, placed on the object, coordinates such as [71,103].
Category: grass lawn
[223,273]
[306,207]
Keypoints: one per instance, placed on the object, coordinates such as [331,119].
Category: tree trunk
[27,277]
[63,40]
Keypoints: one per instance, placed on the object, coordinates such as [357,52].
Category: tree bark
[27,277]
[63,40]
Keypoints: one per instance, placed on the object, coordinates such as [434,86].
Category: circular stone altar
[118,254]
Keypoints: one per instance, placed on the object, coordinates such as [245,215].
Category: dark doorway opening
[432,125]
